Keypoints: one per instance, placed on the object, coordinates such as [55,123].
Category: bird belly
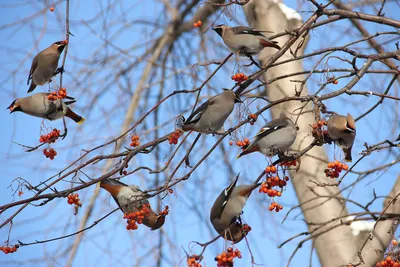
[214,118]
[43,75]
[270,144]
[232,209]
[246,42]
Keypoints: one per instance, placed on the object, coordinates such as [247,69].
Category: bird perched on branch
[44,65]
[130,199]
[212,114]
[342,129]
[276,137]
[243,40]
[39,105]
[227,208]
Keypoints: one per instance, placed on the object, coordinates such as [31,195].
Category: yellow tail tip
[81,121]
[238,156]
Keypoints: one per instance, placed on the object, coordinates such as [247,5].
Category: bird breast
[215,116]
[125,198]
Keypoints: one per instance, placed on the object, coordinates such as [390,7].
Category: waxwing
[130,199]
[236,232]
[342,129]
[243,40]
[212,114]
[44,65]
[229,205]
[274,138]
[39,105]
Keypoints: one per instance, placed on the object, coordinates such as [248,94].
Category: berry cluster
[54,134]
[50,153]
[225,259]
[9,249]
[395,243]
[197,24]
[51,9]
[389,262]
[137,217]
[174,136]
[74,199]
[270,169]
[273,180]
[239,77]
[252,118]
[135,141]
[243,143]
[266,187]
[319,130]
[20,193]
[275,206]
[334,169]
[61,93]
[193,261]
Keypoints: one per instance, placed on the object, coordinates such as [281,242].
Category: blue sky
[89,76]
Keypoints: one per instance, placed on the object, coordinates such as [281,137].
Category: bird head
[60,45]
[14,106]
[234,95]
[159,221]
[219,29]
[350,124]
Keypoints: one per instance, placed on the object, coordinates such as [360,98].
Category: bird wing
[33,67]
[196,115]
[248,30]
[270,127]
[227,194]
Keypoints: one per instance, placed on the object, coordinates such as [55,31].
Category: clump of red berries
[73,199]
[50,153]
[53,135]
[243,143]
[135,141]
[197,24]
[60,94]
[252,118]
[174,136]
[9,249]
[335,168]
[246,228]
[275,206]
[388,262]
[137,217]
[239,77]
[275,181]
[225,259]
[270,169]
[319,130]
[193,261]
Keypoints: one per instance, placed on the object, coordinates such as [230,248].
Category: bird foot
[59,70]
[64,134]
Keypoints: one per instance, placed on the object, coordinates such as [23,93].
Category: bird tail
[78,119]
[347,154]
[32,87]
[268,43]
[247,150]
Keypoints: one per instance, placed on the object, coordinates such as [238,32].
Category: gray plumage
[212,114]
[275,137]
[229,205]
[44,65]
[40,106]
[244,40]
[342,129]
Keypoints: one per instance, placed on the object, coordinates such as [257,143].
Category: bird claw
[64,134]
[59,70]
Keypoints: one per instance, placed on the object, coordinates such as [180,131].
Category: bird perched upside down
[212,114]
[275,137]
[39,105]
[342,129]
[44,65]
[243,40]
[227,208]
[130,199]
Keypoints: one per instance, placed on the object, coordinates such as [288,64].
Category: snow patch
[289,13]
